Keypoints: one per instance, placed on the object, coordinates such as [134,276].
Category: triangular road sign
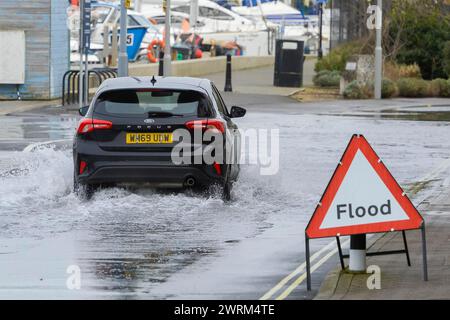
[362,197]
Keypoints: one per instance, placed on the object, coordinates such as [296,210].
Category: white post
[123,56]
[378,50]
[357,261]
[167,53]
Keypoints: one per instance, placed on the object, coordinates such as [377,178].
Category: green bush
[422,27]
[326,78]
[353,91]
[412,87]
[437,87]
[388,89]
[445,89]
[337,58]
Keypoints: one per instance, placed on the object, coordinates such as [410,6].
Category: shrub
[445,89]
[326,78]
[397,71]
[409,71]
[337,58]
[412,87]
[437,87]
[388,89]
[422,28]
[353,91]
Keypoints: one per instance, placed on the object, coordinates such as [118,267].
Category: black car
[128,135]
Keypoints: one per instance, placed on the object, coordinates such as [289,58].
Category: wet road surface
[165,244]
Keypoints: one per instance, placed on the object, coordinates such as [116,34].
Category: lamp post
[320,51]
[80,46]
[167,53]
[378,50]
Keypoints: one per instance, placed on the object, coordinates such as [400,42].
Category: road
[146,244]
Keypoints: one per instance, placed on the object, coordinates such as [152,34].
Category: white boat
[107,14]
[292,22]
[216,24]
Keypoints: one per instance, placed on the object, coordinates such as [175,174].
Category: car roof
[182,83]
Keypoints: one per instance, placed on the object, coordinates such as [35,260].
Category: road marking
[32,146]
[302,277]
[432,175]
[299,269]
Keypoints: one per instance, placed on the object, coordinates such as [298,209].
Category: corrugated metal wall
[59,46]
[47,45]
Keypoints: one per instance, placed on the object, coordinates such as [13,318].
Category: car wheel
[82,190]
[76,185]
[227,186]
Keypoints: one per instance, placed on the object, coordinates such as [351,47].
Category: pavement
[9,106]
[251,82]
[398,281]
[259,81]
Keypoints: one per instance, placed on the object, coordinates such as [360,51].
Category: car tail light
[218,168]
[83,166]
[88,125]
[207,124]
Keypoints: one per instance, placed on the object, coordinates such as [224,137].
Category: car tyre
[227,186]
[82,190]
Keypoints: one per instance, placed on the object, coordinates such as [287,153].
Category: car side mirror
[237,112]
[83,110]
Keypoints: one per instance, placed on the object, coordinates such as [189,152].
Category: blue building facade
[46,46]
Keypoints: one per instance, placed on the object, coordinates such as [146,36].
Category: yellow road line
[294,273]
[302,277]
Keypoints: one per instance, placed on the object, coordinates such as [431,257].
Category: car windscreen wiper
[162,114]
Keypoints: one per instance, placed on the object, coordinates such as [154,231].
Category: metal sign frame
[379,253]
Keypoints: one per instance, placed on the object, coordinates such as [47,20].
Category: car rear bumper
[156,174]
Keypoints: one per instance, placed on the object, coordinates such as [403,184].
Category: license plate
[143,138]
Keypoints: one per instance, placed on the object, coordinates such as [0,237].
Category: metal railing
[71,83]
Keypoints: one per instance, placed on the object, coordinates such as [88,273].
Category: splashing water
[37,199]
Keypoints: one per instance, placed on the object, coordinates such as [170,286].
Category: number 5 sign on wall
[130,39]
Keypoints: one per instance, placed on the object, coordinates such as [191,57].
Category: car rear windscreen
[147,103]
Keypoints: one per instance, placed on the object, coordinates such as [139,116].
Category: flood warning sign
[362,197]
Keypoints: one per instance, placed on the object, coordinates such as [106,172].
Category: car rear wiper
[162,114]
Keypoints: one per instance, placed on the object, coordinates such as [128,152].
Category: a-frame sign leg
[308,264]
[424,253]
[341,256]
[408,260]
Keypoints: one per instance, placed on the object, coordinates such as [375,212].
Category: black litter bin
[289,60]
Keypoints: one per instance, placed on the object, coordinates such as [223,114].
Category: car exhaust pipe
[190,182]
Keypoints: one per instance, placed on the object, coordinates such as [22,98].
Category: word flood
[360,212]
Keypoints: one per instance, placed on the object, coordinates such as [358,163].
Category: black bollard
[228,87]
[161,63]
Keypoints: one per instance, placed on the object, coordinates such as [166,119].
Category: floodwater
[146,243]
[416,113]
